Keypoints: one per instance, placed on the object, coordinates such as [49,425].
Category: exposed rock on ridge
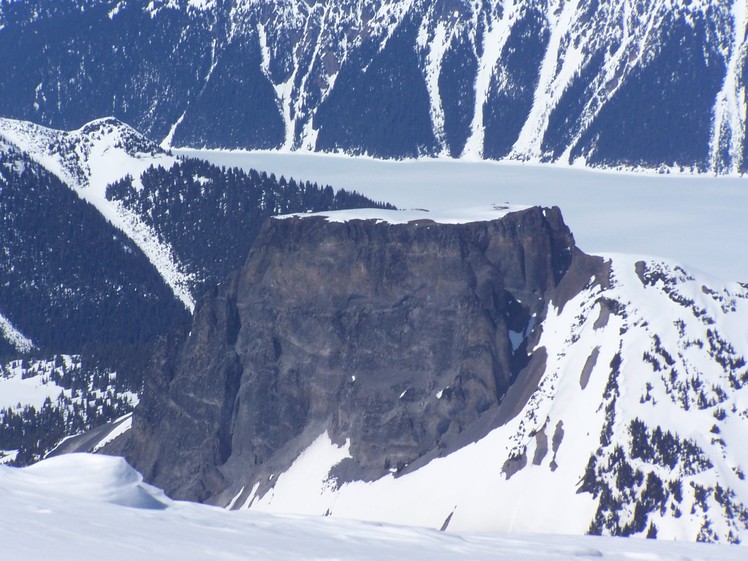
[399,338]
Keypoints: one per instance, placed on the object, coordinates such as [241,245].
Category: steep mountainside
[475,376]
[194,221]
[629,83]
[71,283]
[90,158]
[12,340]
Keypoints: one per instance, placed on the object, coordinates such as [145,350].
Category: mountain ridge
[403,79]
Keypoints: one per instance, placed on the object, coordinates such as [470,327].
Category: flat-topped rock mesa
[404,339]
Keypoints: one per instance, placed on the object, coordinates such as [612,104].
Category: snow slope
[89,159]
[62,388]
[81,507]
[31,382]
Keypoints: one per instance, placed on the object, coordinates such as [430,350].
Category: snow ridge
[97,506]
[91,158]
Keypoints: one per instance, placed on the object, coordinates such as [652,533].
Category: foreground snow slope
[81,507]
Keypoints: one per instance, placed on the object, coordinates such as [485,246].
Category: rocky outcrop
[396,337]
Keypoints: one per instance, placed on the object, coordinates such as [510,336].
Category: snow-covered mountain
[611,400]
[149,207]
[70,278]
[631,83]
[190,221]
[93,157]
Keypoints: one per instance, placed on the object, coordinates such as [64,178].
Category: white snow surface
[120,427]
[730,108]
[441,216]
[556,73]
[494,40]
[86,507]
[697,220]
[90,159]
[15,390]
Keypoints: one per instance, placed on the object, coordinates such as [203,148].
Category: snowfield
[442,216]
[85,507]
[32,382]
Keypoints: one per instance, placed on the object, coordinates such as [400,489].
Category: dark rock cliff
[397,337]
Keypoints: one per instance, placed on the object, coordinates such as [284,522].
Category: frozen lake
[698,221]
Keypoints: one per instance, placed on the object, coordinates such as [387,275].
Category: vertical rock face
[396,337]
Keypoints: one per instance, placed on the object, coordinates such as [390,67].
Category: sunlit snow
[16,338]
[84,507]
[441,216]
